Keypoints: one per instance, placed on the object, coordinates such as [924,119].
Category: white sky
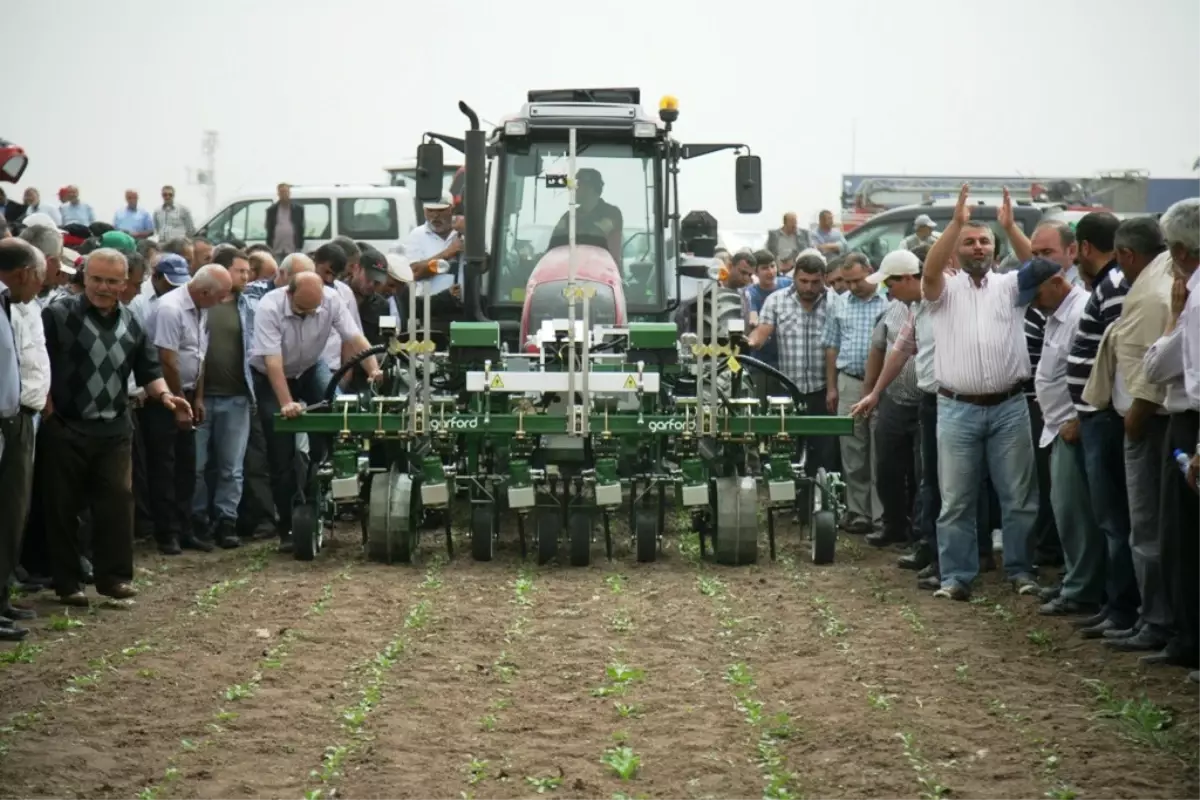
[115,93]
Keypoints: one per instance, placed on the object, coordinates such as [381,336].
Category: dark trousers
[1179,537]
[308,387]
[171,471]
[988,514]
[821,449]
[257,506]
[1046,547]
[897,431]
[1103,437]
[143,518]
[16,482]
[92,472]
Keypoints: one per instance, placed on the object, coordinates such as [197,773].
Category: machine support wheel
[824,537]
[548,532]
[646,534]
[579,529]
[307,532]
[736,521]
[483,531]
[404,514]
[375,521]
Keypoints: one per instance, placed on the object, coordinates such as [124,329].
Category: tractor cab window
[615,196]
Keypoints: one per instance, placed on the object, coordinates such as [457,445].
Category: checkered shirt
[848,329]
[799,335]
[903,389]
[92,356]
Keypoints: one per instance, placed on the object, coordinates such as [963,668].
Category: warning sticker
[496,383]
[630,383]
[734,366]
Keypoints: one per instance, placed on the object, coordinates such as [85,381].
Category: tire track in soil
[100,740]
[479,657]
[281,733]
[158,606]
[806,664]
[1047,688]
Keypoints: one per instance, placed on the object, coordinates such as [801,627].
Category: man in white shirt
[980,363]
[427,245]
[1044,284]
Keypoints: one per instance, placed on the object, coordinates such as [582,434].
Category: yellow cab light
[668,103]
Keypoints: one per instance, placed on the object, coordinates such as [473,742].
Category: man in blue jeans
[980,364]
[223,402]
[291,328]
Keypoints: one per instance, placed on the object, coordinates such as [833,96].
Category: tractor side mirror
[13,162]
[749,184]
[429,172]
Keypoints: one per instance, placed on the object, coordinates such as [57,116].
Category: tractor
[569,398]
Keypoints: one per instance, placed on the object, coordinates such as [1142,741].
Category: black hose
[761,366]
[344,369]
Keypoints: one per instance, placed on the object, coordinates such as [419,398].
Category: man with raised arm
[980,363]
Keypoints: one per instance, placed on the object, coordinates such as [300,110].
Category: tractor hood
[594,269]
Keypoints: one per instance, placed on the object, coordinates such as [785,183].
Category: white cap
[67,261]
[39,219]
[895,263]
[811,251]
[924,221]
[399,268]
[439,205]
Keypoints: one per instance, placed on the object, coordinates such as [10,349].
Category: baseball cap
[68,261]
[399,268]
[118,240]
[374,263]
[75,233]
[1031,277]
[924,221]
[174,268]
[895,264]
[45,220]
[439,205]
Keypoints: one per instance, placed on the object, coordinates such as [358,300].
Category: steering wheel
[628,241]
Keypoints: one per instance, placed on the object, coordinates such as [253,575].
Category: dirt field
[248,674]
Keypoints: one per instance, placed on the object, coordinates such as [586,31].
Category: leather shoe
[169,547]
[1098,630]
[1121,633]
[1062,606]
[1049,593]
[192,543]
[918,559]
[882,539]
[12,633]
[930,570]
[119,591]
[1092,621]
[77,599]
[1143,640]
[14,613]
[930,583]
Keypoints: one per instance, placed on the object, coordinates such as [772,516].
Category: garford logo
[670,425]
[454,423]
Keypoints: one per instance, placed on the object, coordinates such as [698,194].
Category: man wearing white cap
[433,251]
[925,233]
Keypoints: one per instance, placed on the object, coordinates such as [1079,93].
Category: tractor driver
[594,215]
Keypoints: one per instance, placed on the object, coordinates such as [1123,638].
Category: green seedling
[318,608]
[476,771]
[615,583]
[831,625]
[501,703]
[225,716]
[709,586]
[879,701]
[1140,720]
[1062,792]
[909,615]
[739,675]
[240,691]
[188,745]
[23,653]
[622,761]
[960,672]
[931,789]
[1040,638]
[523,588]
[628,711]
[621,622]
[63,622]
[147,674]
[505,669]
[543,785]
[487,723]
[149,793]
[418,615]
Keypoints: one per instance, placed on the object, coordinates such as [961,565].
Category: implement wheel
[390,530]
[736,521]
[308,532]
[579,530]
[549,529]
[824,537]
[483,531]
[645,524]
[404,515]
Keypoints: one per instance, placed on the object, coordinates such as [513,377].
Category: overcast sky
[110,94]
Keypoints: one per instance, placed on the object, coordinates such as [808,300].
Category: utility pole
[207,176]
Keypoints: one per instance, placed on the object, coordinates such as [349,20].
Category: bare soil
[248,674]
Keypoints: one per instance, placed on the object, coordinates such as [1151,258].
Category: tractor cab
[598,153]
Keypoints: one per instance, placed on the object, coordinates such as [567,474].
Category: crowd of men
[1049,411]
[141,376]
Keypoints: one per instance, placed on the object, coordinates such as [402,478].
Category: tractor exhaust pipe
[475,199]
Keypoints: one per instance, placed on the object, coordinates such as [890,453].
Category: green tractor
[570,399]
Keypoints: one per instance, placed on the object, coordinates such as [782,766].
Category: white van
[379,215]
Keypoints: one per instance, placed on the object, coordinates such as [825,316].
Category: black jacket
[297,226]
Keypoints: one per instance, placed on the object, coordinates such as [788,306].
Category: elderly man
[924,233]
[427,245]
[1119,379]
[224,399]
[1181,491]
[34,205]
[847,340]
[72,210]
[788,238]
[291,329]
[22,270]
[94,343]
[178,325]
[980,364]
[133,220]
[172,221]
[1044,283]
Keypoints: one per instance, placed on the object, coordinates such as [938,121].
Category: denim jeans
[970,437]
[1143,479]
[931,495]
[309,388]
[1083,545]
[1103,436]
[225,431]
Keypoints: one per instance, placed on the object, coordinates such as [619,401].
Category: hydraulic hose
[344,370]
[767,369]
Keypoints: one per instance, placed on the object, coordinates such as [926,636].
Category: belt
[982,399]
[33,412]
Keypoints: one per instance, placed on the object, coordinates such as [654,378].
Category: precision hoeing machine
[583,391]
